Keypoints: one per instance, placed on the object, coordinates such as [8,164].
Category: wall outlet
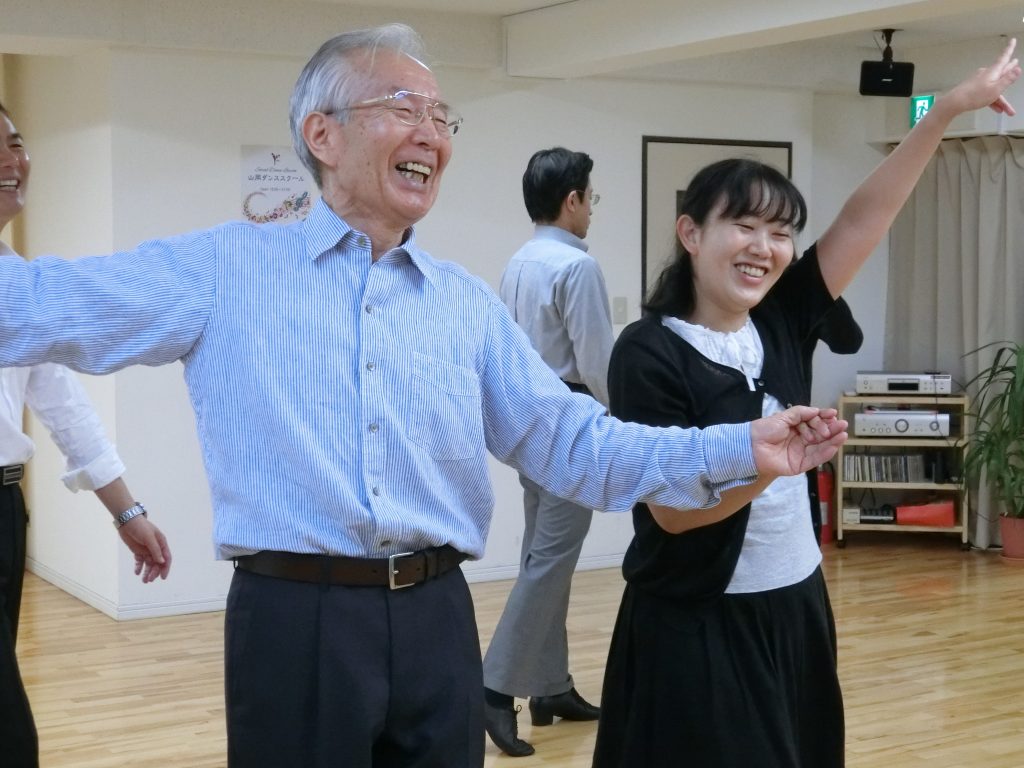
[620,310]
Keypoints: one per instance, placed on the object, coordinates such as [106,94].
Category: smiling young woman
[724,652]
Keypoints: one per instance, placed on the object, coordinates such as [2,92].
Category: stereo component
[908,383]
[900,423]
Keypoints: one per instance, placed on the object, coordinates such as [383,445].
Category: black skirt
[749,680]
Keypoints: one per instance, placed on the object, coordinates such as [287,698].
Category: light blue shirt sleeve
[99,314]
[567,444]
[588,324]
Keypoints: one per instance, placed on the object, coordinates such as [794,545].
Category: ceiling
[813,45]
[825,60]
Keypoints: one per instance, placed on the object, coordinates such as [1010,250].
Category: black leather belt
[12,474]
[396,572]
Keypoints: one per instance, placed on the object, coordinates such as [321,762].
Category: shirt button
[376,491]
[369,309]
[370,366]
[374,427]
[363,242]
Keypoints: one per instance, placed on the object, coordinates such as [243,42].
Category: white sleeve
[59,401]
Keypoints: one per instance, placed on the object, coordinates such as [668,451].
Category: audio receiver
[880,422]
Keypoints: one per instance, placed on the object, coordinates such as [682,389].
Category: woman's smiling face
[735,263]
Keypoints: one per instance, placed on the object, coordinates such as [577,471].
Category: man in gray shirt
[556,293]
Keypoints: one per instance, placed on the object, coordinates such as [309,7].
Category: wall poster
[276,187]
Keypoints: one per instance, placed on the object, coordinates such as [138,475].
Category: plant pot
[1012,531]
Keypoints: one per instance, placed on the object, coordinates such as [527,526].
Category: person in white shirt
[60,403]
[556,293]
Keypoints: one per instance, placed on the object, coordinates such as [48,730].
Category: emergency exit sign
[919,106]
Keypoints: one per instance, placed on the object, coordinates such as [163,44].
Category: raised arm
[871,209]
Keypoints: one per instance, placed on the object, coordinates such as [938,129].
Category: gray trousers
[529,652]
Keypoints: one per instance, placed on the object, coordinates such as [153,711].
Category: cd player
[894,382]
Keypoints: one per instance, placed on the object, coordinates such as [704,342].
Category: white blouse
[779,547]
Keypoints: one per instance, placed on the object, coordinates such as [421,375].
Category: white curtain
[956,271]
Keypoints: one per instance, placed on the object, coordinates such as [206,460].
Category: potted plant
[997,439]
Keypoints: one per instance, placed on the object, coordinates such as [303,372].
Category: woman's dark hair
[742,187]
[550,176]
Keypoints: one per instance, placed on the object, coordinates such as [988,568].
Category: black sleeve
[839,330]
[645,380]
[802,296]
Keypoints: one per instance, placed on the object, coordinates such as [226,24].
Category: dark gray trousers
[352,677]
[19,745]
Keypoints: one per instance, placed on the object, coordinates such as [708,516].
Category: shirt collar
[325,230]
[549,232]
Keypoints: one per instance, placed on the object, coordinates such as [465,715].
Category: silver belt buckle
[12,474]
[392,571]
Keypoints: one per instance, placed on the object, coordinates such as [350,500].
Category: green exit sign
[919,106]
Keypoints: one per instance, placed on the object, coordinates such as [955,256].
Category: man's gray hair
[328,80]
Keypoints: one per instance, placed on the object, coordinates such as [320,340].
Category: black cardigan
[656,378]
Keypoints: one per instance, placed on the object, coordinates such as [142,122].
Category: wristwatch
[132,512]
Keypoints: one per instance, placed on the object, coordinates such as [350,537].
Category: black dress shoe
[503,728]
[568,706]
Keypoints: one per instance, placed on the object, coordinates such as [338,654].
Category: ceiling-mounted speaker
[886,78]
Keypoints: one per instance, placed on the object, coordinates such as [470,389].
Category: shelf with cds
[901,471]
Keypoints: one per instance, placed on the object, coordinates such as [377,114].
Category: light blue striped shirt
[344,406]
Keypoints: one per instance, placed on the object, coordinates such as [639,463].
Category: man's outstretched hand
[796,440]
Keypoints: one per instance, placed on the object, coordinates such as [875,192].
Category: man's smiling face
[14,170]
[383,171]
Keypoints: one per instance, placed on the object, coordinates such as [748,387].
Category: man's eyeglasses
[594,197]
[411,107]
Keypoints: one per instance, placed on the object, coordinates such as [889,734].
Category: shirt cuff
[101,471]
[729,455]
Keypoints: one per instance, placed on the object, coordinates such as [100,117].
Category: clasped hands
[796,439]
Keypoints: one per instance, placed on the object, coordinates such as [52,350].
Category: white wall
[169,128]
[843,156]
[70,538]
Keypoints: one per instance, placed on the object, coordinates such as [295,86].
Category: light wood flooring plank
[931,657]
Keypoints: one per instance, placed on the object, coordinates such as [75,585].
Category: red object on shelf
[826,486]
[939,514]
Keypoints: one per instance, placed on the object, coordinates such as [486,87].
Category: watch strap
[132,512]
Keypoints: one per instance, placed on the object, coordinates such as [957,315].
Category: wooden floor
[931,656]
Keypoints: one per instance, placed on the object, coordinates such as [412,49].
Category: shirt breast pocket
[445,416]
